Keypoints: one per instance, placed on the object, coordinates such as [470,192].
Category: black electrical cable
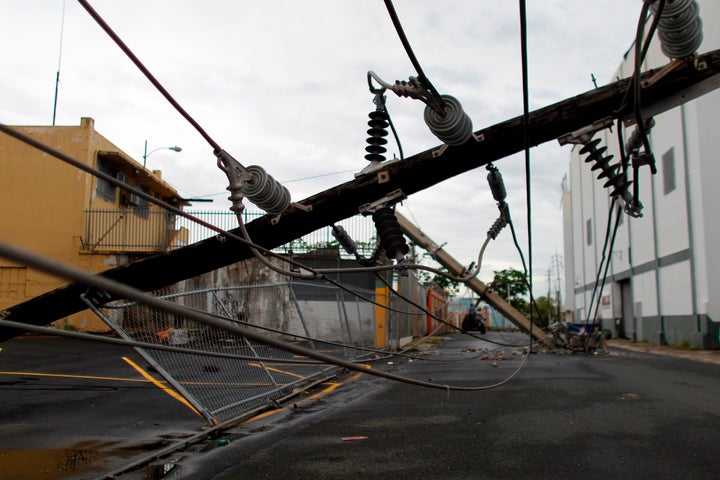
[624,160]
[147,345]
[385,354]
[603,259]
[525,269]
[171,208]
[395,134]
[81,166]
[645,48]
[411,55]
[607,265]
[438,318]
[526,140]
[212,143]
[653,28]
[301,337]
[30,141]
[637,85]
[106,284]
[96,16]
[129,188]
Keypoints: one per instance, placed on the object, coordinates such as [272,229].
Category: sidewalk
[705,356]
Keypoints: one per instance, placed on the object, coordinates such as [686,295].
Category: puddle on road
[51,464]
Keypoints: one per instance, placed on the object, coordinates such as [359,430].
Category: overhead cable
[106,284]
[156,83]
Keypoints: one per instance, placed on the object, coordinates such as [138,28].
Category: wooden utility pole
[477,286]
[662,90]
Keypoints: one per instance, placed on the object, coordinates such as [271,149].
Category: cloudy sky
[283,84]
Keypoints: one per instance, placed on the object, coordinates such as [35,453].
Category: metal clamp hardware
[582,135]
[389,199]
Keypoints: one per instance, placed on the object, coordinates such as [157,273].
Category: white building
[663,282]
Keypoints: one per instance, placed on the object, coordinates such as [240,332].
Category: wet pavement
[73,409]
[625,414]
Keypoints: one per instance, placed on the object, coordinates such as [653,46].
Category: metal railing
[137,230]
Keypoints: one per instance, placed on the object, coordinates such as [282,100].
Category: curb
[703,356]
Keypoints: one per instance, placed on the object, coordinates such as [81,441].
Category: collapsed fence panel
[224,387]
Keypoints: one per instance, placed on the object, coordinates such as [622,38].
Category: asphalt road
[75,409]
[72,409]
[622,415]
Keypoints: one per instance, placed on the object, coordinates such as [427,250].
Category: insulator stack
[454,127]
[497,227]
[634,142]
[497,185]
[264,191]
[344,239]
[390,233]
[377,132]
[679,28]
[615,179]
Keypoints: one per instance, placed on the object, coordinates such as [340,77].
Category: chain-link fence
[222,388]
[359,227]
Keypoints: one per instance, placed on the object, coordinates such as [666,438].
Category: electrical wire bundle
[445,118]
[443,114]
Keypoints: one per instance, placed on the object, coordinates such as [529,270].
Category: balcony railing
[131,230]
[151,231]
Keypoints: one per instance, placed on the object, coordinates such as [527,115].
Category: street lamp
[147,154]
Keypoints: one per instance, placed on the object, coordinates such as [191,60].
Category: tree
[545,311]
[512,286]
[450,287]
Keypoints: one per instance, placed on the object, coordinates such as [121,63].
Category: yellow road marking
[331,387]
[85,377]
[277,370]
[261,416]
[160,385]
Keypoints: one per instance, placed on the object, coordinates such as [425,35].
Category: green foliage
[512,286]
[450,287]
[545,308]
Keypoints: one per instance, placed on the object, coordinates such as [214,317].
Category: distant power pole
[549,295]
[557,262]
[57,75]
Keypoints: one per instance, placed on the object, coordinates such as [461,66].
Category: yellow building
[53,209]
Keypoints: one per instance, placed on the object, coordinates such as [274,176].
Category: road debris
[577,338]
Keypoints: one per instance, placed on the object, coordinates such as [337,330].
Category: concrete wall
[322,310]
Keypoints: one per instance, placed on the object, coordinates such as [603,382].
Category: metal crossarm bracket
[389,199]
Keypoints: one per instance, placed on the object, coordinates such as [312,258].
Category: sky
[283,84]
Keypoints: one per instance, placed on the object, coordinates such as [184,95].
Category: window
[668,171]
[142,208]
[104,188]
[12,283]
[588,231]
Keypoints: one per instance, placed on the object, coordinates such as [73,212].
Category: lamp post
[147,154]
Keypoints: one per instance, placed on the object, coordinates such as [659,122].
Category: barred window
[142,208]
[104,188]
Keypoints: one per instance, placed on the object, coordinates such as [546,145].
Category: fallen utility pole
[477,286]
[663,89]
